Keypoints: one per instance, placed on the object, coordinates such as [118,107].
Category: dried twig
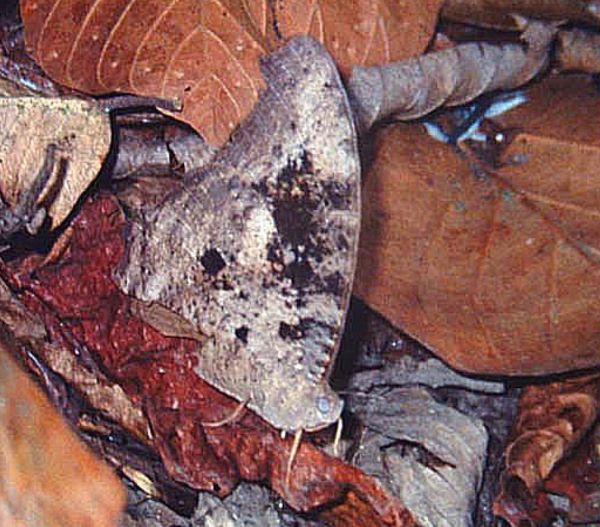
[579,50]
[498,13]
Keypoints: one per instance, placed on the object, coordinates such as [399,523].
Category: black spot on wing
[212,261]
[241,333]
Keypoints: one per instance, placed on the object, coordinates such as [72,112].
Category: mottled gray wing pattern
[258,249]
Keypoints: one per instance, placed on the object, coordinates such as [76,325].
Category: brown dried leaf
[552,420]
[207,53]
[499,13]
[496,272]
[48,477]
[80,130]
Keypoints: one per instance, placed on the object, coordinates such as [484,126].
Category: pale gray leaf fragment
[431,372]
[258,249]
[429,455]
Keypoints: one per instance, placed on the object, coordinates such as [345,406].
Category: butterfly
[257,250]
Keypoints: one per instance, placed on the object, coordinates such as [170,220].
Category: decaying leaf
[499,13]
[47,476]
[181,407]
[101,394]
[376,360]
[257,250]
[249,505]
[17,68]
[552,420]
[431,372]
[207,53]
[578,479]
[415,87]
[428,454]
[78,130]
[494,270]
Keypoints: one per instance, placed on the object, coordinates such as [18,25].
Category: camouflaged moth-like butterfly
[257,250]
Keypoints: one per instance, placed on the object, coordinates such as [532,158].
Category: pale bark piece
[47,477]
[258,249]
[429,455]
[415,87]
[206,53]
[79,129]
[499,13]
[495,271]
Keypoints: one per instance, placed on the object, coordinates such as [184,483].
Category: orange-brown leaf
[47,476]
[206,53]
[495,272]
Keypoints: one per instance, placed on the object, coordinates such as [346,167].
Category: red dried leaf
[47,476]
[206,53]
[552,420]
[79,301]
[578,478]
[495,272]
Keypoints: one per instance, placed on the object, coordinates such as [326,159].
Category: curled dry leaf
[578,478]
[495,271]
[181,407]
[80,131]
[145,149]
[207,53]
[415,87]
[499,13]
[48,476]
[552,419]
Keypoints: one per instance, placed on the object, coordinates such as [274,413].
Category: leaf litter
[503,261]
[421,452]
